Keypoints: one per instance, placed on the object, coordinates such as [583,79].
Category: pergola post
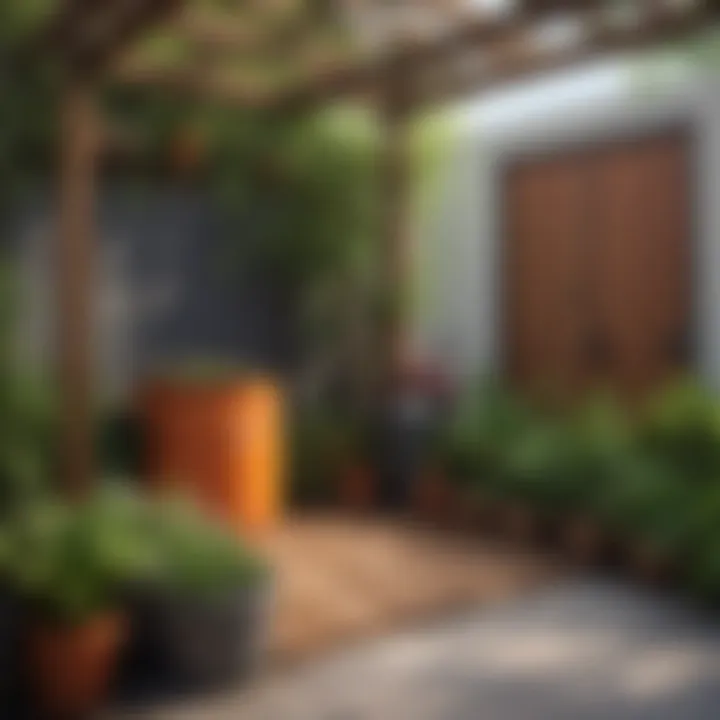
[74,254]
[396,167]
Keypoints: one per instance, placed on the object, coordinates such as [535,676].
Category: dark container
[193,641]
[407,429]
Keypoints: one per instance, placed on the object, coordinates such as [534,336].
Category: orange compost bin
[221,442]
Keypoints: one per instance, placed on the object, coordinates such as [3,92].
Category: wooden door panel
[598,267]
[640,273]
[545,220]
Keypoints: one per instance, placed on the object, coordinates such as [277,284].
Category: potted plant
[598,445]
[681,429]
[435,496]
[357,484]
[312,434]
[647,509]
[481,435]
[530,480]
[203,614]
[69,565]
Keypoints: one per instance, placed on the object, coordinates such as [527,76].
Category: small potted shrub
[435,495]
[530,480]
[647,509]
[702,568]
[357,483]
[312,472]
[203,614]
[481,436]
[681,429]
[329,460]
[69,565]
[598,447]
[445,470]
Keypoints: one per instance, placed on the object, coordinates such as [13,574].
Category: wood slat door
[544,287]
[598,267]
[642,264]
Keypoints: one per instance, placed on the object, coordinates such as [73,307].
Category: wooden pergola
[401,56]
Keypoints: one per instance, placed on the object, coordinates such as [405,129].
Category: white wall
[459,325]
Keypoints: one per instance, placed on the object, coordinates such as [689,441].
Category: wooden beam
[73,261]
[662,24]
[396,197]
[193,84]
[355,75]
[520,59]
[100,43]
[87,34]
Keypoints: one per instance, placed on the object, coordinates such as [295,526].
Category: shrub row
[650,477]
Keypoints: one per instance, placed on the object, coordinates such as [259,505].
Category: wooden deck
[343,578]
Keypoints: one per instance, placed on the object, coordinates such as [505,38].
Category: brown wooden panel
[641,272]
[544,289]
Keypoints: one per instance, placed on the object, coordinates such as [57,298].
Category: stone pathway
[585,649]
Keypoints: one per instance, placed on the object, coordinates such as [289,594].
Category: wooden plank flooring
[342,578]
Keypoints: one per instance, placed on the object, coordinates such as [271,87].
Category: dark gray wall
[171,284]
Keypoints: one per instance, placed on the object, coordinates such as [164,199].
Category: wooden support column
[79,138]
[396,198]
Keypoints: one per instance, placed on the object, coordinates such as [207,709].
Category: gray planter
[212,640]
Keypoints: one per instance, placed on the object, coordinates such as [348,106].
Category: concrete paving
[585,650]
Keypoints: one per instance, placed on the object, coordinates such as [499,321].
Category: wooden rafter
[506,50]
[522,59]
[342,78]
[480,53]
[87,34]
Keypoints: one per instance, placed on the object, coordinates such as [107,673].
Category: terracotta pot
[221,442]
[583,539]
[435,499]
[357,488]
[71,666]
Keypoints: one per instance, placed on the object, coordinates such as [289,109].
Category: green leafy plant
[594,447]
[322,442]
[203,371]
[68,561]
[193,554]
[702,566]
[27,412]
[682,429]
[646,501]
[486,423]
[535,469]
